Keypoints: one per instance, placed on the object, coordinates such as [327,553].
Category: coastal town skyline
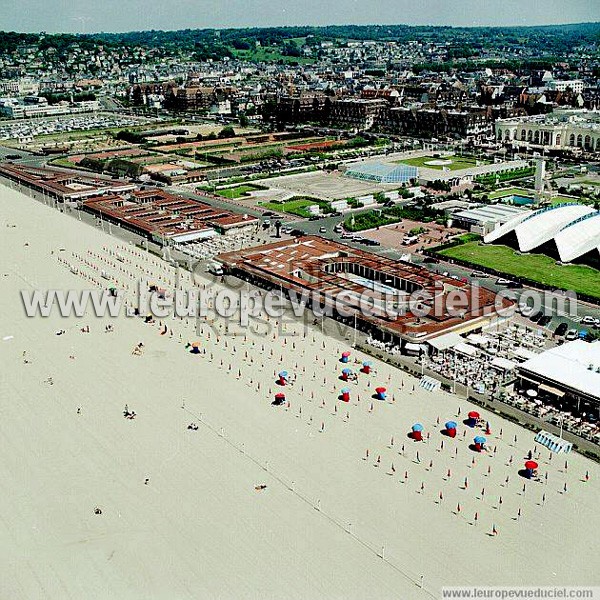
[56,16]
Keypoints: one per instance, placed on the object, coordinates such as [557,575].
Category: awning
[443,342]
[524,353]
[466,349]
[413,347]
[478,339]
[503,363]
[551,390]
[522,377]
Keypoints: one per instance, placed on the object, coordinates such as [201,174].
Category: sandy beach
[352,507]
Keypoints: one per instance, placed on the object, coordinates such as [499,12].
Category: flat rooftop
[334,270]
[62,184]
[156,212]
[575,365]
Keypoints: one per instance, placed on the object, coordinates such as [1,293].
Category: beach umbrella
[380,391]
[283,377]
[417,432]
[346,394]
[472,418]
[479,442]
[531,464]
[451,428]
[347,371]
[345,356]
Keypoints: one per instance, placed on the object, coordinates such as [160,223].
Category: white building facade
[558,132]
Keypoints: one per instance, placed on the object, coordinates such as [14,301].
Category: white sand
[199,529]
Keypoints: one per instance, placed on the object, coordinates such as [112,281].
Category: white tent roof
[443,342]
[525,354]
[570,225]
[478,339]
[569,365]
[544,224]
[503,363]
[579,237]
[466,349]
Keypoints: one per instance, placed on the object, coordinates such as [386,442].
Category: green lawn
[563,200]
[513,191]
[295,206]
[536,267]
[64,162]
[458,162]
[238,191]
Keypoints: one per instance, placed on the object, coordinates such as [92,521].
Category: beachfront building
[161,217]
[61,185]
[568,375]
[556,131]
[378,295]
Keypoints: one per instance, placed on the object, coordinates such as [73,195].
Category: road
[546,300]
[329,223]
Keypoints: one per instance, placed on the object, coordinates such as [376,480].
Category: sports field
[295,206]
[456,162]
[238,191]
[536,267]
[513,191]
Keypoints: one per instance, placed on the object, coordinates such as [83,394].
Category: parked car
[561,329]
[572,334]
[587,320]
[322,229]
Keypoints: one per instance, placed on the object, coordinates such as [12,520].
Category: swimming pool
[518,200]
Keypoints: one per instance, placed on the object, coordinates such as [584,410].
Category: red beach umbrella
[531,464]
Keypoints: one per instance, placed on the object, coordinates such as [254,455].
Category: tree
[227,132]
